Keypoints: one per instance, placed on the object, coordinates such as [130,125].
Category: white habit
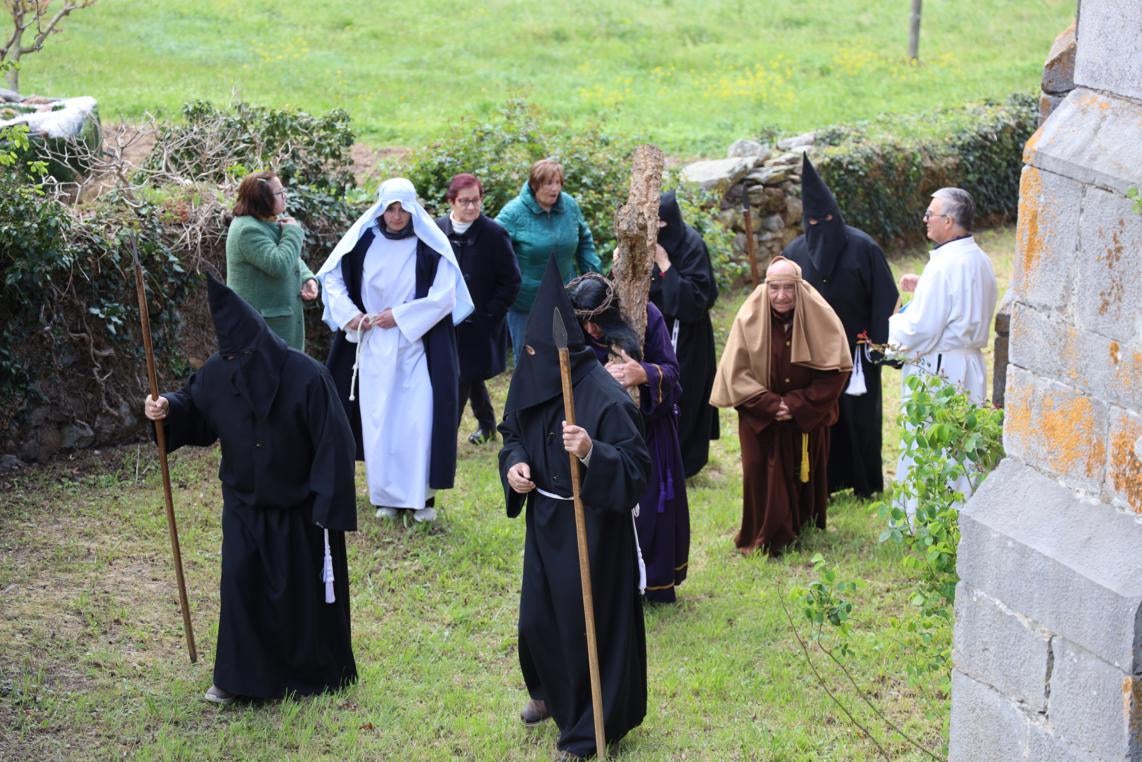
[393,384]
[946,325]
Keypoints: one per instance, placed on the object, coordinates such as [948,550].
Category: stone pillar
[1058,73]
[1048,636]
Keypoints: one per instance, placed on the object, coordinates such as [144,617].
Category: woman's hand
[661,258]
[359,323]
[309,290]
[626,371]
[519,478]
[385,319]
[287,220]
[576,441]
[156,409]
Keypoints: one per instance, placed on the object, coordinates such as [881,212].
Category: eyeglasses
[468,201]
[281,193]
[929,215]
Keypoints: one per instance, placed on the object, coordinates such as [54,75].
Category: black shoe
[480,436]
[534,712]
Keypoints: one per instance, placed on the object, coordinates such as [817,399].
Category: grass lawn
[692,75]
[92,663]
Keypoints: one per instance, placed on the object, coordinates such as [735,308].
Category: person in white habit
[944,329]
[393,292]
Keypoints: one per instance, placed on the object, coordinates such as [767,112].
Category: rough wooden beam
[636,228]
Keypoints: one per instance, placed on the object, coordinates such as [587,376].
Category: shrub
[949,438]
[883,172]
[69,329]
[500,152]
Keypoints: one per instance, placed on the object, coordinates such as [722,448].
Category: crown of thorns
[608,299]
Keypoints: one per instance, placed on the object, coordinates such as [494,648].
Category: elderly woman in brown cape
[785,365]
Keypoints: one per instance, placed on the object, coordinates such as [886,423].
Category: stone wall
[1048,635]
[770,178]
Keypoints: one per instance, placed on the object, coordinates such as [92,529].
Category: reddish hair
[461,182]
[254,195]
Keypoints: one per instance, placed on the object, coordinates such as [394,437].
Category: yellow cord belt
[804,457]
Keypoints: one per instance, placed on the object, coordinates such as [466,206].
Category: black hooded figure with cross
[849,269]
[607,439]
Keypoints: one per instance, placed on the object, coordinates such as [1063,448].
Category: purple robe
[664,515]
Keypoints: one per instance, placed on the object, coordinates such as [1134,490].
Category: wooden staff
[750,243]
[161,441]
[560,332]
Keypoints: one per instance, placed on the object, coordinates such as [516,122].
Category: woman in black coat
[488,262]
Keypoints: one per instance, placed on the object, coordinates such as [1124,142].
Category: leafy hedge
[883,182]
[501,150]
[70,349]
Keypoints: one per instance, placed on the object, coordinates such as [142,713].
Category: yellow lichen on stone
[1028,237]
[1126,464]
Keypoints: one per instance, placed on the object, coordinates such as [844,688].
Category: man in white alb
[945,326]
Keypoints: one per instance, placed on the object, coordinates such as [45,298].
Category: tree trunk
[636,227]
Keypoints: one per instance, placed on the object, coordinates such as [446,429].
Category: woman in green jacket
[541,221]
[263,258]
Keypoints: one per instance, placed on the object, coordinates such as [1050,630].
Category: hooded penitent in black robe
[684,294]
[847,267]
[286,472]
[552,641]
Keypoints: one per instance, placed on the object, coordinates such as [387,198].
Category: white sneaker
[386,513]
[216,695]
[425,514]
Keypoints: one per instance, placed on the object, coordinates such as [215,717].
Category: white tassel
[638,552]
[327,572]
[857,385]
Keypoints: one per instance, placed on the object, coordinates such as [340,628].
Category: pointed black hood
[537,378]
[246,344]
[825,240]
[671,236]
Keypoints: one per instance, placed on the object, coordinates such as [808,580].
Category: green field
[692,75]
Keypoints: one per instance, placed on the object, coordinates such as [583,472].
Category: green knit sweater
[264,267]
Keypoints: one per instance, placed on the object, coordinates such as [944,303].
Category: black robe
[286,467]
[484,253]
[685,294]
[552,645]
[439,349]
[862,291]
[849,269]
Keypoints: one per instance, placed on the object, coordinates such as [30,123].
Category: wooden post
[914,31]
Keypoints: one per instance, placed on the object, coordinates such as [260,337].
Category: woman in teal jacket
[263,258]
[541,221]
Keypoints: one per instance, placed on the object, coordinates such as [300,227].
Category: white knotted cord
[357,336]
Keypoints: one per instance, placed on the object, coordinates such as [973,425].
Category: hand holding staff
[560,332]
[160,440]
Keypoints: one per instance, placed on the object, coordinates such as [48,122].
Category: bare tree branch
[28,13]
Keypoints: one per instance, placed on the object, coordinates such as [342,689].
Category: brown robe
[776,504]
